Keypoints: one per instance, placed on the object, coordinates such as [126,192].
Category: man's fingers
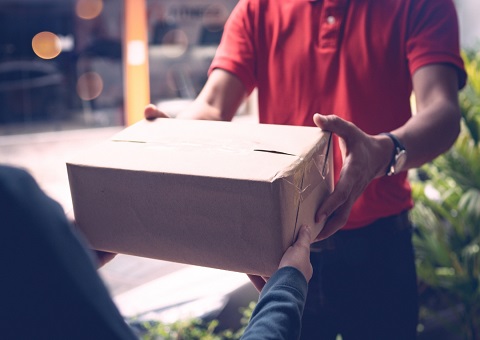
[334,211]
[335,124]
[334,201]
[304,237]
[335,223]
[151,112]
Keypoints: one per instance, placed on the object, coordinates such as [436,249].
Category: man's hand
[151,112]
[427,134]
[365,157]
[297,256]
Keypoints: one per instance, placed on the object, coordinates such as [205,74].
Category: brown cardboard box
[216,194]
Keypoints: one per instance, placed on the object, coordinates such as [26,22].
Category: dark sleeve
[49,284]
[279,310]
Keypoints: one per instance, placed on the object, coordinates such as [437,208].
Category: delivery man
[356,63]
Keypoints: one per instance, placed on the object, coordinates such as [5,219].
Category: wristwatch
[399,156]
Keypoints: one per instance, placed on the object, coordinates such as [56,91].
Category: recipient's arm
[279,310]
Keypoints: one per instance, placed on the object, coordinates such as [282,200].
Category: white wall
[469,17]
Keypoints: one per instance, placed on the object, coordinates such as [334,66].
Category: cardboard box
[217,194]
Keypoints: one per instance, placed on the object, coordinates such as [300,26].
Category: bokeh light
[46,45]
[89,9]
[136,52]
[89,85]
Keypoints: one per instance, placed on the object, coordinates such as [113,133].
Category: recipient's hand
[365,157]
[151,112]
[103,257]
[297,256]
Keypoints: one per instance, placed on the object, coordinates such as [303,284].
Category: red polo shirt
[351,58]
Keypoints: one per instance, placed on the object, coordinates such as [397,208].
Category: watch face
[400,160]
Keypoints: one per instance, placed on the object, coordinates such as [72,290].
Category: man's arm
[426,135]
[219,99]
[279,310]
[436,125]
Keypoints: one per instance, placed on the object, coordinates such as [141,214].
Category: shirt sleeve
[236,52]
[433,36]
[278,313]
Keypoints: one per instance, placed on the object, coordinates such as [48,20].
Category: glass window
[183,37]
[60,64]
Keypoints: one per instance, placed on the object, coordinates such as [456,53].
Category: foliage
[470,96]
[447,216]
[193,329]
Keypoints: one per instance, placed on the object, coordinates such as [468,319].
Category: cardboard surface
[217,194]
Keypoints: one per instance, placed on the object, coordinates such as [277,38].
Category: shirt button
[331,19]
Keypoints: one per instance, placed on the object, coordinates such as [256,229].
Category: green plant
[193,329]
[186,330]
[470,96]
[447,215]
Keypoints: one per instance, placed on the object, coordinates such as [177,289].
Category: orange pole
[135,60]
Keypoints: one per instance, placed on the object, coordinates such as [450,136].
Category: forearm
[430,132]
[199,110]
[280,307]
[436,125]
[219,99]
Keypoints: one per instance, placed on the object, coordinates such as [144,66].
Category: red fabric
[358,65]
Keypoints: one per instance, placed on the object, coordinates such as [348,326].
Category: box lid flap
[205,148]
[290,140]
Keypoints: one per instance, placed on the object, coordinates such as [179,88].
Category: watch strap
[398,147]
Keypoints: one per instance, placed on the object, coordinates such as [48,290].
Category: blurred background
[75,72]
[64,70]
